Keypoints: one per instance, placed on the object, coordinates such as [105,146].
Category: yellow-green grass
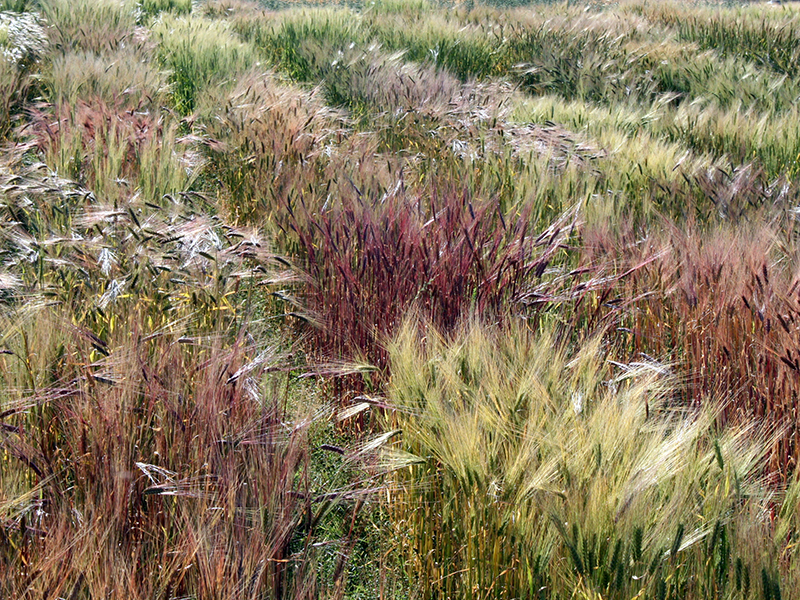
[525,468]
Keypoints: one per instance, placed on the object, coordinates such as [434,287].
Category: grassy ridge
[399,300]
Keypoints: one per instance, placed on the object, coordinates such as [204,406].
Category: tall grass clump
[772,43]
[152,8]
[372,260]
[573,59]
[529,469]
[114,151]
[395,116]
[124,78]
[22,44]
[415,8]
[198,53]
[22,38]
[149,466]
[147,450]
[18,6]
[695,134]
[767,139]
[89,25]
[302,43]
[726,318]
[171,260]
[264,141]
[228,8]
[399,300]
[13,85]
[465,50]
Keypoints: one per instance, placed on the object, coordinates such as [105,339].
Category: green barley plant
[89,25]
[302,43]
[115,151]
[120,77]
[22,38]
[742,135]
[416,8]
[18,6]
[526,469]
[775,44]
[22,44]
[466,50]
[167,464]
[680,146]
[228,8]
[264,141]
[65,242]
[198,53]
[152,8]
[137,409]
[13,89]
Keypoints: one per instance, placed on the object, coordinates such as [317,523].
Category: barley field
[399,299]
